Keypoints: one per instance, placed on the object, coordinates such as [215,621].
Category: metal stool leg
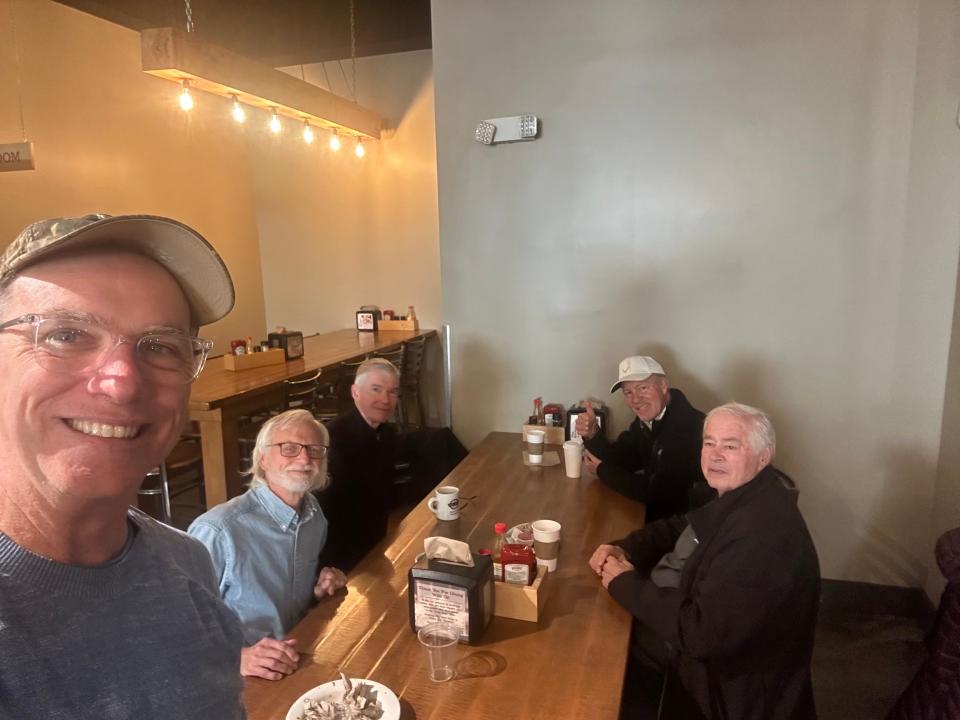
[165,494]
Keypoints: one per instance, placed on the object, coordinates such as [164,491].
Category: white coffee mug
[446,503]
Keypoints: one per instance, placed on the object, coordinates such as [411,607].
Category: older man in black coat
[656,459]
[726,599]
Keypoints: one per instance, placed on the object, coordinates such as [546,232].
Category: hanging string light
[164,51]
[238,112]
[186,99]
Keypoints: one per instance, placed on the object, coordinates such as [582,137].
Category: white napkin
[448,550]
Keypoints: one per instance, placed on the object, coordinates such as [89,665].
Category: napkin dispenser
[290,342]
[441,591]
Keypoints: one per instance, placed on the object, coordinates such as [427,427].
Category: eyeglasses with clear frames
[292,450]
[74,345]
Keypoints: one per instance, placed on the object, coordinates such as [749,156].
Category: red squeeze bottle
[500,529]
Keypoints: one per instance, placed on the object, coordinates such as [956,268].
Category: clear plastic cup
[440,639]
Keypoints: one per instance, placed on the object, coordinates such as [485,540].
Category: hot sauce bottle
[500,529]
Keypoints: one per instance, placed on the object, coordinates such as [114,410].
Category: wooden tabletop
[217,385]
[569,665]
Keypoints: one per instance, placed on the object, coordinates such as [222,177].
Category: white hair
[762,435]
[290,418]
[374,365]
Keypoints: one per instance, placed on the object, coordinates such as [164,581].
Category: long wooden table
[220,397]
[569,665]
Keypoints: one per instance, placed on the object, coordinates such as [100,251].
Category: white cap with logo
[637,367]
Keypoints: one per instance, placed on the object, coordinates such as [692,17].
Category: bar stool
[298,392]
[180,472]
[345,379]
[412,365]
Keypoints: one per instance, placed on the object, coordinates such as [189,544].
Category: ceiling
[281,32]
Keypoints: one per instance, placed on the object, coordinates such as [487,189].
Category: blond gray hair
[290,418]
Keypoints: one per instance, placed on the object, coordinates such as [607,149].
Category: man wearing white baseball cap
[657,459]
[104,612]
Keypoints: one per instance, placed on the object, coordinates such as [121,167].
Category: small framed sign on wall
[366,321]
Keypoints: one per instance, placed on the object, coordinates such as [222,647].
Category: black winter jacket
[741,625]
[659,467]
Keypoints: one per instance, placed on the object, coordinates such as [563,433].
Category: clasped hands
[609,561]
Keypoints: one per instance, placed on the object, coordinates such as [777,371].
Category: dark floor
[869,644]
[869,638]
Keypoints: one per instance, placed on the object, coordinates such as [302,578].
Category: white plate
[513,535]
[333,692]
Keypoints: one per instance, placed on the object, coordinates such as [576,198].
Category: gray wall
[762,195]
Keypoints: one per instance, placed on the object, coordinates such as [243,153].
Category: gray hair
[374,365]
[762,435]
[284,420]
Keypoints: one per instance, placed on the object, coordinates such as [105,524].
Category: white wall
[725,186]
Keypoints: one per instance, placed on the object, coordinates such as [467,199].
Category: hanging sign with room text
[16,156]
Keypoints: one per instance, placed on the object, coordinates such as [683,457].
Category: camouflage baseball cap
[194,263]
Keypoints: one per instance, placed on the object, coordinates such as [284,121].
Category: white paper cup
[534,440]
[546,542]
[572,458]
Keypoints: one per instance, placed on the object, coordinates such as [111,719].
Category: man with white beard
[265,544]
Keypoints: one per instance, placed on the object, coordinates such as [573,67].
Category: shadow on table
[480,664]
[406,710]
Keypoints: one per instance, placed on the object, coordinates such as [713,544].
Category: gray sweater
[144,636]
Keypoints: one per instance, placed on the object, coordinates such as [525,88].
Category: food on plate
[359,702]
[522,533]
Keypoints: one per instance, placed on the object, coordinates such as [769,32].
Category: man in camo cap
[104,612]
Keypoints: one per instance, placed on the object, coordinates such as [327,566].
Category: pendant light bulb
[334,141]
[238,114]
[360,150]
[274,123]
[186,99]
[307,132]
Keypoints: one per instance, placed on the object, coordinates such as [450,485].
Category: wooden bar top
[569,665]
[217,385]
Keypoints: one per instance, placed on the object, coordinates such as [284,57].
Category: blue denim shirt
[266,558]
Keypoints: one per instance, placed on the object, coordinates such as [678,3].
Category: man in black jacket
[362,456]
[726,599]
[657,459]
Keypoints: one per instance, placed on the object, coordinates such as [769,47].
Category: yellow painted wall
[337,232]
[109,138]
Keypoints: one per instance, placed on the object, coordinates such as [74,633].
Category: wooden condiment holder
[553,435]
[398,324]
[522,602]
[254,360]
